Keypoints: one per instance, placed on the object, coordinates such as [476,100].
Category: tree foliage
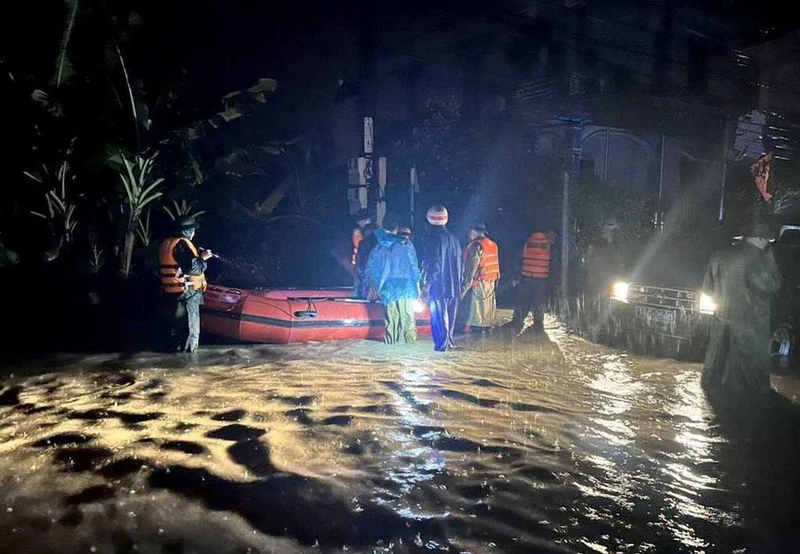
[140,191]
[60,207]
[597,204]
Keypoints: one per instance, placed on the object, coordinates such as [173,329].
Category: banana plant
[181,209]
[144,229]
[60,213]
[140,191]
[97,255]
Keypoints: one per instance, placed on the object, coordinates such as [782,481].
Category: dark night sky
[227,44]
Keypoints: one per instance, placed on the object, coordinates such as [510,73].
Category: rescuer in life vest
[366,244]
[182,271]
[479,282]
[533,286]
[441,270]
[359,233]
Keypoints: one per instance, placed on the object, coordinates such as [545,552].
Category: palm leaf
[32,176]
[37,214]
[128,190]
[263,85]
[62,177]
[198,173]
[130,90]
[134,185]
[149,199]
[61,64]
[155,183]
[50,206]
[58,202]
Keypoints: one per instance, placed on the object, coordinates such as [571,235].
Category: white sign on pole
[381,207]
[356,199]
[368,135]
[359,171]
[353,171]
[365,171]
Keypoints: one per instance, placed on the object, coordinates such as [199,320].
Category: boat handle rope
[310,313]
[311,308]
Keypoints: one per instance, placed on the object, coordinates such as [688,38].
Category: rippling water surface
[551,445]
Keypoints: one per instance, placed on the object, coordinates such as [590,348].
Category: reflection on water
[524,446]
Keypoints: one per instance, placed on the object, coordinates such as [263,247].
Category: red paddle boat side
[289,315]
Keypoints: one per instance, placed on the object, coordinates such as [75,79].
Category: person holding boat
[393,275]
[182,272]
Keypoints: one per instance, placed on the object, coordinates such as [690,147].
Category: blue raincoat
[441,262]
[392,268]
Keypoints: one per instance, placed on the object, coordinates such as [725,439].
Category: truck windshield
[790,237]
[677,261]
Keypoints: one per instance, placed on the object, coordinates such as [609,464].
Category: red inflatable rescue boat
[284,316]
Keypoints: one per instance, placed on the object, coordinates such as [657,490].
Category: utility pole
[574,174]
[375,188]
[362,192]
[564,239]
[380,208]
[659,208]
[375,195]
[369,168]
[413,189]
[726,138]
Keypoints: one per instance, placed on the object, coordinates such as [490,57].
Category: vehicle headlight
[707,304]
[620,291]
[419,307]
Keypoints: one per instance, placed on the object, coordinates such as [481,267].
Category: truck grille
[663,297]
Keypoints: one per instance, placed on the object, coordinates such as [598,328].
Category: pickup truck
[786,308]
[659,308]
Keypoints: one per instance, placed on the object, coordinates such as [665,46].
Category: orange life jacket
[489,264]
[172,279]
[358,236]
[537,256]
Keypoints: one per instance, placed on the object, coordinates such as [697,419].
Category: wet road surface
[540,445]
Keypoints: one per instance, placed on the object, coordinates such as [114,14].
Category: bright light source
[707,304]
[620,291]
[418,307]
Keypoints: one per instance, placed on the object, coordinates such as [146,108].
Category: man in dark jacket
[394,277]
[441,268]
[741,280]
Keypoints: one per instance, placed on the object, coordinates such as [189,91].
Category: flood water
[553,445]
